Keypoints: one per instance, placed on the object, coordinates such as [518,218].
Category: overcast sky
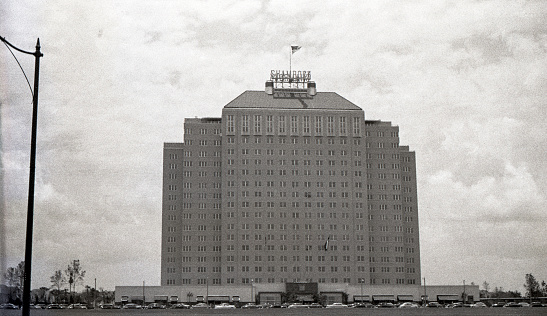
[466,82]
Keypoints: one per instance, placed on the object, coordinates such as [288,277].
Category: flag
[327,244]
[294,48]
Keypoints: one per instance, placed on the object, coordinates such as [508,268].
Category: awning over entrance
[405,298]
[448,297]
[219,298]
[361,298]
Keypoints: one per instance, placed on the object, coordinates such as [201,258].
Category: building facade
[289,185]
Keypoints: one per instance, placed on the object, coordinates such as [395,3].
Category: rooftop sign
[284,79]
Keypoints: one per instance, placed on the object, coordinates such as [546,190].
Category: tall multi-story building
[289,185]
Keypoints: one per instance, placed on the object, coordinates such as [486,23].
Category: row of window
[295,152]
[297,204]
[217,281]
[307,184]
[203,131]
[216,131]
[320,215]
[321,269]
[307,237]
[271,214]
[372,239]
[202,248]
[292,125]
[231,258]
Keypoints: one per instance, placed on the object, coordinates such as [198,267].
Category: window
[330,126]
[258,124]
[245,124]
[294,125]
[306,125]
[281,127]
[318,125]
[269,127]
[357,127]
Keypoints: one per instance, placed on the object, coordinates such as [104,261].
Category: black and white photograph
[297,157]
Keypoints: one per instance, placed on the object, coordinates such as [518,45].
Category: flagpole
[290,60]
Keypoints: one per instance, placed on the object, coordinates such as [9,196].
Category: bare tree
[486,287]
[15,278]
[57,280]
[74,275]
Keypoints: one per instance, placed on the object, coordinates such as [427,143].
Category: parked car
[224,306]
[408,305]
[386,305]
[536,304]
[454,305]
[54,306]
[107,306]
[250,306]
[131,306]
[512,304]
[9,306]
[336,305]
[498,304]
[434,305]
[363,305]
[315,305]
[180,306]
[200,305]
[155,306]
[297,305]
[479,305]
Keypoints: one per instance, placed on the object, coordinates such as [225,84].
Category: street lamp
[252,300]
[362,281]
[30,211]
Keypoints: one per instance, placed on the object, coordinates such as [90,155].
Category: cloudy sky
[466,82]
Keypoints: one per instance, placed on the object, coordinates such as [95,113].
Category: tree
[532,286]
[486,287]
[74,274]
[40,295]
[15,278]
[57,280]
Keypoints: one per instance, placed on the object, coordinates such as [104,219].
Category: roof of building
[291,100]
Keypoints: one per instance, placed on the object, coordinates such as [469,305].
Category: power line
[12,54]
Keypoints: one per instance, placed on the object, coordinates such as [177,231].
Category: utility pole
[95,295]
[30,210]
[425,292]
[464,298]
